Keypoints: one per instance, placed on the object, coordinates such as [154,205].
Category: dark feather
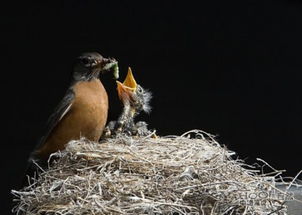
[60,111]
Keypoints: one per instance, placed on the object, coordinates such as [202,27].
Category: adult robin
[135,99]
[82,111]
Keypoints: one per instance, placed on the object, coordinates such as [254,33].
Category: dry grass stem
[188,174]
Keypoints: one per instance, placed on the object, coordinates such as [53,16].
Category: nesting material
[188,174]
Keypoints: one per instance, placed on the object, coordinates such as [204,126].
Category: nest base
[163,175]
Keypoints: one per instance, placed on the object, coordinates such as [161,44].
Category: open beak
[128,87]
[110,64]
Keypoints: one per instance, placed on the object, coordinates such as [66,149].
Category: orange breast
[86,118]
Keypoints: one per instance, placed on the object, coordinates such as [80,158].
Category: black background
[231,68]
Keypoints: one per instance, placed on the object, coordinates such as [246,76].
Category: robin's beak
[110,64]
[128,87]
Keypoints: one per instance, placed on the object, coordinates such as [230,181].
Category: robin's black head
[90,65]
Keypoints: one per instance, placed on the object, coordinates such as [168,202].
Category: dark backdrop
[231,68]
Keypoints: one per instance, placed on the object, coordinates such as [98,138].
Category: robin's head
[90,65]
[131,93]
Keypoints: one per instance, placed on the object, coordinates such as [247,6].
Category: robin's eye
[85,61]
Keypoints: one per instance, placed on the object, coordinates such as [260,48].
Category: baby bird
[135,99]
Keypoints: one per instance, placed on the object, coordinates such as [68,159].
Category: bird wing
[61,110]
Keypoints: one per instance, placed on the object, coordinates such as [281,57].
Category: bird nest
[188,174]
